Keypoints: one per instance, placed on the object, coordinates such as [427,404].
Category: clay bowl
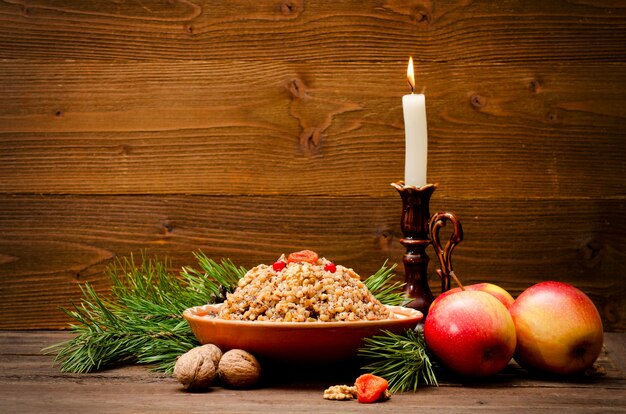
[294,341]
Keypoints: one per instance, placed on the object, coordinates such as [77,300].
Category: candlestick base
[419,231]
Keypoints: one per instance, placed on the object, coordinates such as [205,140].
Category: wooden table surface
[29,383]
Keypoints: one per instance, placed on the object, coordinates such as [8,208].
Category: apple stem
[456,279]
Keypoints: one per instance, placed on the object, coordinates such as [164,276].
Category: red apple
[471,332]
[559,330]
[494,290]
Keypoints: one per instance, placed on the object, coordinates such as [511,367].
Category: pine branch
[401,359]
[380,285]
[142,321]
[214,280]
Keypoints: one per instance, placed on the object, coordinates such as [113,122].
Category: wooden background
[251,128]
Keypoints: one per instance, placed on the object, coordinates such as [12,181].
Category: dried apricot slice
[370,388]
[303,256]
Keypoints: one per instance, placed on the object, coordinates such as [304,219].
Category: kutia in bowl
[302,288]
[300,308]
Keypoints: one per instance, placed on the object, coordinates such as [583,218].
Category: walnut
[197,368]
[239,369]
[340,392]
[212,352]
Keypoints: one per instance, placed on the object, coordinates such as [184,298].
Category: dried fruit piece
[371,388]
[279,265]
[303,256]
[330,267]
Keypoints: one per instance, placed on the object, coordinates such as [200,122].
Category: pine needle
[401,359]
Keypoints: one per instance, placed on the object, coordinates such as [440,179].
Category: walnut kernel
[340,392]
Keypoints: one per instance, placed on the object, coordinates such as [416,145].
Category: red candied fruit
[279,265]
[330,267]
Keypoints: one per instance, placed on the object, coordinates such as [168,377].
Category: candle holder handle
[444,254]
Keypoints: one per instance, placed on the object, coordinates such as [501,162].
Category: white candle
[415,131]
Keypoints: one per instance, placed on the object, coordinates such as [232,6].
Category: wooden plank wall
[250,128]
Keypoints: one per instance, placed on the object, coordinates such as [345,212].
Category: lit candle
[416,151]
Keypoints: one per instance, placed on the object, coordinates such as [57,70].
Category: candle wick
[412,87]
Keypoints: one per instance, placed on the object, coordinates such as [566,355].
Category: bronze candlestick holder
[421,229]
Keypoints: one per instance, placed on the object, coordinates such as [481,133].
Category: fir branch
[142,321]
[401,359]
[381,286]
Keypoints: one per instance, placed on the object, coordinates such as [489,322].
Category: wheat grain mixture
[316,291]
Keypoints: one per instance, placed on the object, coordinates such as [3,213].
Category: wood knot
[534,86]
[58,113]
[610,310]
[288,8]
[592,252]
[310,140]
[189,28]
[297,89]
[478,101]
[552,117]
[385,239]
[123,149]
[421,16]
[168,228]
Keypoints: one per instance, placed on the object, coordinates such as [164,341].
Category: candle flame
[409,74]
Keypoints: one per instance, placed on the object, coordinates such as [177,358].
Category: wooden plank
[373,30]
[35,397]
[507,131]
[50,245]
[28,384]
[25,355]
[21,343]
[615,345]
[41,368]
